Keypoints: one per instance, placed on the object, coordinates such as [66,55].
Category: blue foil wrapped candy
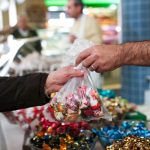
[108,134]
[106,93]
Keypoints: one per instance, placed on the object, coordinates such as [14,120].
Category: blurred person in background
[85,27]
[22,30]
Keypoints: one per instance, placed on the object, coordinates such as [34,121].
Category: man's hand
[101,58]
[57,79]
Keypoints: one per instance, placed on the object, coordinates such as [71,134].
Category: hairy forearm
[136,53]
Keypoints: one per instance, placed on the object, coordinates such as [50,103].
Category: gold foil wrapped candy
[131,143]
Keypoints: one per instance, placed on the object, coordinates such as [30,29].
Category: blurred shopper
[102,58]
[22,30]
[85,27]
[34,89]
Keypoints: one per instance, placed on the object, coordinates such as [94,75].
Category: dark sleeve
[22,92]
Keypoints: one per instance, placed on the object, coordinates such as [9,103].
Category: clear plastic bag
[78,99]
[69,59]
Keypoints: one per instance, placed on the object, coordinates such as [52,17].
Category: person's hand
[72,38]
[57,79]
[101,58]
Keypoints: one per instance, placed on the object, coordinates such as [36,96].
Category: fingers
[88,61]
[65,69]
[75,73]
[57,79]
[83,55]
[94,66]
[71,71]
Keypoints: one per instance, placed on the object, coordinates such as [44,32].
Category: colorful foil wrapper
[107,135]
[107,94]
[29,118]
[64,136]
[117,107]
[131,143]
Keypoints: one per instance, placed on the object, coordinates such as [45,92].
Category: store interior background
[116,19]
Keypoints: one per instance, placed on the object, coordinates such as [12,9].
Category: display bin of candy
[117,108]
[131,143]
[74,147]
[109,134]
[56,135]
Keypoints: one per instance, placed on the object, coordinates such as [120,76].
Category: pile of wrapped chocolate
[63,136]
[82,104]
[79,118]
[66,123]
[79,134]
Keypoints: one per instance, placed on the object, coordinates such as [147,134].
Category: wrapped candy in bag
[77,100]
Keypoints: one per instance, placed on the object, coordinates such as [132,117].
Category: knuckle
[102,63]
[95,56]
[85,63]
